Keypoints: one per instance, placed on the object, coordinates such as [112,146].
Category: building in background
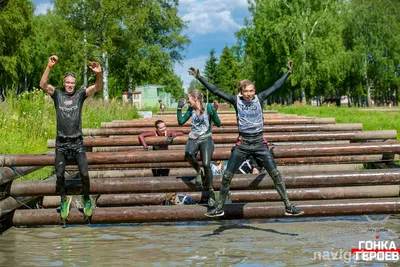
[136,98]
[147,96]
[151,93]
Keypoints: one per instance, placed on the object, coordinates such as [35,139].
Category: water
[280,242]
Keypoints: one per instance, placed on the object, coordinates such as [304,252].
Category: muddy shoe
[293,211]
[64,207]
[211,199]
[87,207]
[198,180]
[215,212]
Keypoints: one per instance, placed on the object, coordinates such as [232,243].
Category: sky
[211,25]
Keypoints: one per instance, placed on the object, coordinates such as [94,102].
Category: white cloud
[42,8]
[182,70]
[211,16]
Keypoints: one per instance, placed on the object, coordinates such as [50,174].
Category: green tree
[173,84]
[227,72]
[16,18]
[210,72]
[308,32]
[51,39]
[195,84]
[372,37]
[142,38]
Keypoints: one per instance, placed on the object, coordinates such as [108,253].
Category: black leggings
[251,146]
[206,148]
[71,148]
[256,146]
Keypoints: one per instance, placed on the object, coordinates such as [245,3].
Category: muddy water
[283,242]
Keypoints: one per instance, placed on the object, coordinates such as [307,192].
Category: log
[219,154]
[229,112]
[190,171]
[10,204]
[279,162]
[229,129]
[8,174]
[182,147]
[145,123]
[111,200]
[255,195]
[223,117]
[231,138]
[183,184]
[196,212]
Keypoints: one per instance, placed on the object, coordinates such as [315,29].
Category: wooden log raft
[191,172]
[196,212]
[293,152]
[118,200]
[186,184]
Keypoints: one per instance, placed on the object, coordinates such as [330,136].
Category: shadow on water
[230,226]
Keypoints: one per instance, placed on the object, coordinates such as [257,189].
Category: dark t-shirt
[69,113]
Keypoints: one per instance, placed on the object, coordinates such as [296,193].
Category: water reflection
[283,242]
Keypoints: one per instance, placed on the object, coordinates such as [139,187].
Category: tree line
[339,47]
[136,41]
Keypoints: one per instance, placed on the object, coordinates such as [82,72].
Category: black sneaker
[215,212]
[293,211]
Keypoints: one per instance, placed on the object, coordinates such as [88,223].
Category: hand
[52,60]
[194,72]
[95,66]
[290,66]
[181,103]
[170,139]
[145,149]
[215,106]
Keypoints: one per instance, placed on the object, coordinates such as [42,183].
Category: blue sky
[212,24]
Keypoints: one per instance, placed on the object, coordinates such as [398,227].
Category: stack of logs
[322,164]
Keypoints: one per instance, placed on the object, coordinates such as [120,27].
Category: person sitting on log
[218,167]
[200,138]
[249,166]
[250,142]
[177,199]
[69,142]
[161,130]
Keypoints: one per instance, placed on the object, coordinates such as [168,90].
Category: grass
[29,120]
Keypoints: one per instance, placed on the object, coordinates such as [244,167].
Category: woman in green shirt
[200,138]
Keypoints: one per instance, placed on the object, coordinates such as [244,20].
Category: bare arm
[142,137]
[98,85]
[48,88]
[175,134]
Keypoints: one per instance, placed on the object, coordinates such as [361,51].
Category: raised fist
[215,106]
[181,103]
[52,60]
[194,72]
[290,66]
